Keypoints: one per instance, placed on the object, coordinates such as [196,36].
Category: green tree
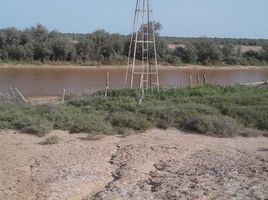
[42,49]
[229,55]
[41,52]
[12,36]
[62,49]
[85,50]
[3,51]
[102,45]
[187,54]
[228,51]
[180,52]
[2,39]
[265,51]
[39,33]
[191,54]
[252,58]
[208,52]
[27,52]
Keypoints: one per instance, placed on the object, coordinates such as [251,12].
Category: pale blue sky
[187,18]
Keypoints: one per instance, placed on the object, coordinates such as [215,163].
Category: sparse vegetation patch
[211,110]
[51,140]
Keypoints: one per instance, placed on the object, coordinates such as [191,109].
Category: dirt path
[153,165]
[70,170]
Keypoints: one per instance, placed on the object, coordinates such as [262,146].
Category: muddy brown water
[51,82]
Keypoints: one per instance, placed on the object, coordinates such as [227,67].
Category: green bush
[129,120]
[51,140]
[4,125]
[117,105]
[220,126]
[208,109]
[249,132]
[33,126]
[90,124]
[94,136]
[63,116]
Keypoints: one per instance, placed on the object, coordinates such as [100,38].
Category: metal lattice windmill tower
[142,58]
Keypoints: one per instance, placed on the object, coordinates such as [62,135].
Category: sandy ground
[153,165]
[40,100]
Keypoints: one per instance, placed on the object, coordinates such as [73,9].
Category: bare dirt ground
[153,165]
[40,100]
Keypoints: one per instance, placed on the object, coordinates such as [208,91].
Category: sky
[183,18]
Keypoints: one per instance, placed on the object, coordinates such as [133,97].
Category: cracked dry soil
[156,164]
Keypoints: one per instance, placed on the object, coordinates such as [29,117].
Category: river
[42,81]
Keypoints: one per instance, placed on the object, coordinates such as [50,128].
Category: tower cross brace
[142,57]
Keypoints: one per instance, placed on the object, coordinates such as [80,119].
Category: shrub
[117,105]
[51,140]
[79,102]
[156,111]
[129,120]
[249,132]
[208,52]
[4,125]
[39,127]
[213,125]
[170,115]
[213,110]
[90,124]
[187,54]
[63,116]
[94,136]
[265,134]
[123,131]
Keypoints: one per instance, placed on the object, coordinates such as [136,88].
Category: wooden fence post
[142,96]
[21,96]
[204,79]
[181,83]
[197,79]
[2,95]
[12,92]
[8,96]
[63,96]
[107,84]
[190,80]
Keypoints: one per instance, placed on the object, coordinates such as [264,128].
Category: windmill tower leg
[143,48]
[131,42]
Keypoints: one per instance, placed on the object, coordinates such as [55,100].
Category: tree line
[218,41]
[37,44]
